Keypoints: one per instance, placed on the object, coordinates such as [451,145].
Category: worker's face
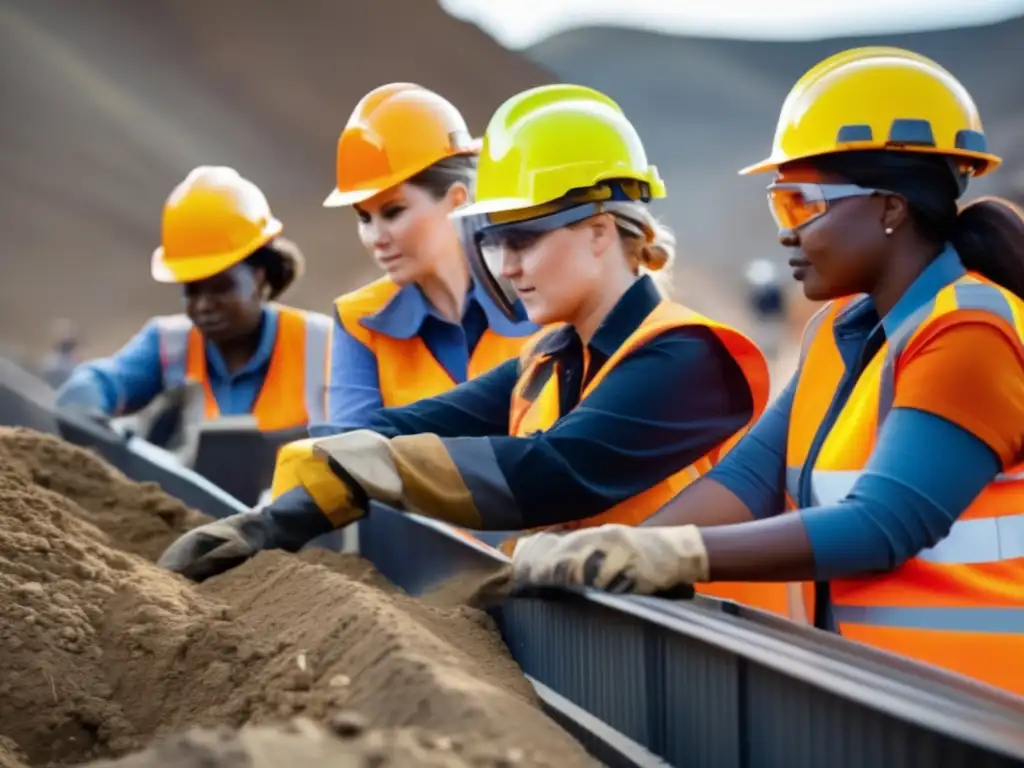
[844,249]
[408,231]
[226,306]
[556,274]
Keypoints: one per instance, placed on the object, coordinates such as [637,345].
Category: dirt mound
[139,517]
[103,652]
[11,755]
[304,743]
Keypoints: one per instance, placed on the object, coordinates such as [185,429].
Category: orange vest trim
[294,389]
[960,604]
[406,369]
[536,408]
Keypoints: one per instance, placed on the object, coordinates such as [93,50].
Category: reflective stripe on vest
[294,389]
[960,603]
[536,408]
[406,369]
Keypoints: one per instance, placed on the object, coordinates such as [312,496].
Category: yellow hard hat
[547,141]
[212,220]
[879,98]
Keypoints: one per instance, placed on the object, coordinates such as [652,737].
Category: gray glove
[218,546]
[289,523]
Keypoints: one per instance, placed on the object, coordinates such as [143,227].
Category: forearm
[85,388]
[775,549]
[746,484]
[923,474]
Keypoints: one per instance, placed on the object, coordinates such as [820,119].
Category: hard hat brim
[339,199]
[201,267]
[498,205]
[984,162]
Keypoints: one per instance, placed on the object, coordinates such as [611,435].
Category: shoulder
[970,374]
[969,303]
[315,321]
[366,300]
[179,323]
[168,332]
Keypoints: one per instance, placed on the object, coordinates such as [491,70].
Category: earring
[888,231]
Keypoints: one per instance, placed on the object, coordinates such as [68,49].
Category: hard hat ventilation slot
[971,141]
[912,132]
[849,134]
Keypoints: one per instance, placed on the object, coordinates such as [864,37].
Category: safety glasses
[520,235]
[489,242]
[505,234]
[797,204]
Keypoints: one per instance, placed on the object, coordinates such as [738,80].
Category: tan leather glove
[615,558]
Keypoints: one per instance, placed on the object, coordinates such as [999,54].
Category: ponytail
[651,248]
[989,236]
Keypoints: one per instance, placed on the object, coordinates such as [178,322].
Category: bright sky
[521,23]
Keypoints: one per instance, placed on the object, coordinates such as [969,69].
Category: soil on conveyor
[312,659]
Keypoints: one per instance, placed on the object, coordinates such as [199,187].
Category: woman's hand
[615,558]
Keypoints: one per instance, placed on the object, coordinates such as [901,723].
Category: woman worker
[899,442]
[604,417]
[222,245]
[405,162]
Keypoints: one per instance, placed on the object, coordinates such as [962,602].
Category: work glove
[218,546]
[615,558]
[320,484]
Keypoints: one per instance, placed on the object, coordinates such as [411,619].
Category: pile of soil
[105,654]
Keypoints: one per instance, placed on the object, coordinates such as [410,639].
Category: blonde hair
[650,245]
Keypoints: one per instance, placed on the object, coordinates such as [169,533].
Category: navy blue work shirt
[662,407]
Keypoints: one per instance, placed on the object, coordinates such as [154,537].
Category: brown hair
[444,174]
[649,244]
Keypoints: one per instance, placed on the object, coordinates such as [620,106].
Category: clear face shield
[487,239]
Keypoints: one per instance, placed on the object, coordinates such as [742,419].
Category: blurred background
[107,104]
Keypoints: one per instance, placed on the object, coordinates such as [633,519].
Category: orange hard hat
[212,220]
[395,131]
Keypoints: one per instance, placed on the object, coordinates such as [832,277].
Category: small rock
[348,725]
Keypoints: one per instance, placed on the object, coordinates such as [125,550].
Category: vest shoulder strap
[665,316]
[821,321]
[317,374]
[538,344]
[355,305]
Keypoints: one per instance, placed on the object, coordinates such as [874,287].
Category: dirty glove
[218,546]
[320,484]
[615,558]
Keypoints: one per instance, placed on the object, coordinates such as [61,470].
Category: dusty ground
[104,654]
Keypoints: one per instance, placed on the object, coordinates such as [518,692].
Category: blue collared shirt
[662,408]
[353,394]
[924,473]
[132,377]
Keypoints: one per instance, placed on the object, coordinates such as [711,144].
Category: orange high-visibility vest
[535,408]
[294,390]
[406,369]
[960,604]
